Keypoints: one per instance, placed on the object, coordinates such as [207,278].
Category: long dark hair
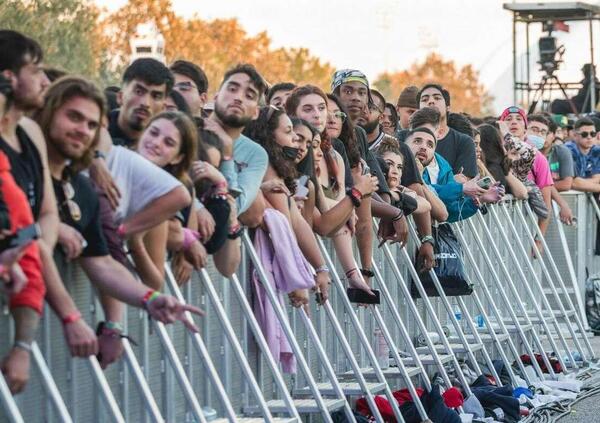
[262,131]
[348,134]
[494,156]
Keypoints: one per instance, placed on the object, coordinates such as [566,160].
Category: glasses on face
[586,134]
[537,131]
[185,86]
[338,115]
[72,206]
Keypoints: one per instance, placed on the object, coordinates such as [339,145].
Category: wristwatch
[428,238]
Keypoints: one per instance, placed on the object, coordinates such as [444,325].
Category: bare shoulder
[33,130]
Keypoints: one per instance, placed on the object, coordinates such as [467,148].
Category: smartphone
[24,235]
[301,192]
[234,192]
[366,170]
[485,182]
[356,295]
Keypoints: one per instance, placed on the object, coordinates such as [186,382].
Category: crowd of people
[122,179]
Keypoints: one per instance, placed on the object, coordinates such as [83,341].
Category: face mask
[536,141]
[290,153]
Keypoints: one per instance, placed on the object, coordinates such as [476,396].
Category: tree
[467,93]
[67,30]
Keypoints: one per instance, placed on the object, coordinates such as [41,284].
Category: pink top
[540,171]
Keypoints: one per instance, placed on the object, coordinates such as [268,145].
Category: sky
[389,35]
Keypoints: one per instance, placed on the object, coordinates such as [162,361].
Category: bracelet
[399,216]
[99,155]
[22,345]
[355,197]
[235,232]
[121,231]
[322,268]
[115,326]
[71,318]
[148,297]
[226,158]
[220,185]
[428,238]
[367,272]
[189,237]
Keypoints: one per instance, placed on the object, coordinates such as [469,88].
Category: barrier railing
[228,371]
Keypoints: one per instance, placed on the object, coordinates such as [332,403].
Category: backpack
[592,302]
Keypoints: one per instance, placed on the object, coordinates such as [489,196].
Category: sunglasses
[339,115]
[586,134]
[72,206]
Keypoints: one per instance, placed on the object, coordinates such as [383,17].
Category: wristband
[22,345]
[99,155]
[71,318]
[226,158]
[367,272]
[399,216]
[235,231]
[121,231]
[322,268]
[148,297]
[222,185]
[429,239]
[189,237]
[356,192]
[115,326]
[355,197]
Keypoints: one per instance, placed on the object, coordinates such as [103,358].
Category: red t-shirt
[32,295]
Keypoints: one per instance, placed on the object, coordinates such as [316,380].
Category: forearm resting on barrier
[586,185]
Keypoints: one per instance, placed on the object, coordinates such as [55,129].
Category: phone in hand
[234,192]
[485,182]
[356,295]
[301,192]
[23,236]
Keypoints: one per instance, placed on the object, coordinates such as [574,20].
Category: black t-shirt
[341,149]
[401,135]
[27,169]
[89,225]
[369,157]
[459,150]
[118,136]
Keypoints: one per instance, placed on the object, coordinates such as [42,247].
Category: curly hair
[262,131]
[348,134]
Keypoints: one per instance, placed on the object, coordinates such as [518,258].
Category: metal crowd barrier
[524,301]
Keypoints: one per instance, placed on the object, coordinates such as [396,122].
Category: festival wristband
[189,237]
[116,326]
[322,268]
[148,297]
[22,345]
[121,231]
[71,318]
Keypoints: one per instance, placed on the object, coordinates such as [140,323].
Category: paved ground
[587,410]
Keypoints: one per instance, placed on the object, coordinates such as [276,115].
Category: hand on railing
[298,298]
[110,347]
[167,309]
[206,224]
[322,282]
[81,339]
[182,269]
[15,368]
[425,257]
[472,189]
[566,215]
[12,278]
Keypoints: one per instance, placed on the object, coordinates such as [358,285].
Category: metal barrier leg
[49,384]
[237,348]
[500,287]
[548,255]
[10,406]
[363,341]
[107,395]
[179,371]
[138,375]
[538,310]
[495,311]
[322,405]
[513,290]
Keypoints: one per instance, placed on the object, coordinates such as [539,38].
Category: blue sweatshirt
[450,192]
[246,171]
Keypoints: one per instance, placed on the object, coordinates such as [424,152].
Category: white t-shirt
[434,171]
[139,180]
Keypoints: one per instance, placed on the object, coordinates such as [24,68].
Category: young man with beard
[410,173]
[191,82]
[461,199]
[22,142]
[70,122]
[352,88]
[244,162]
[458,149]
[586,156]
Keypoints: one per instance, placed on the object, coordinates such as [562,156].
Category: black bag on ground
[449,267]
[592,302]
